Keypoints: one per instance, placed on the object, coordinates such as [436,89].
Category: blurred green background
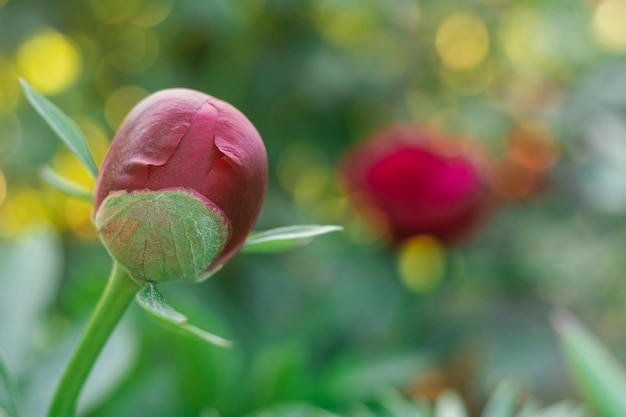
[540,84]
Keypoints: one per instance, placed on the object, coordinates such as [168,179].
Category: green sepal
[152,301]
[63,126]
[285,238]
[162,236]
[64,185]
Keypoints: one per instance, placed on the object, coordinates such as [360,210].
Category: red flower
[185,140]
[420,183]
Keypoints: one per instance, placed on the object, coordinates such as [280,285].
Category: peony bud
[417,183]
[181,186]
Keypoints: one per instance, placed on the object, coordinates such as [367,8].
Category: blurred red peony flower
[186,141]
[418,183]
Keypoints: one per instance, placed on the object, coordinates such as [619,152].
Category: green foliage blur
[541,85]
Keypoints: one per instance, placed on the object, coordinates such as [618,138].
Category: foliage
[540,86]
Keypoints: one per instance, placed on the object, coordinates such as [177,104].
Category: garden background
[540,86]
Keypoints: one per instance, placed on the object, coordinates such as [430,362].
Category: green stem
[117,295]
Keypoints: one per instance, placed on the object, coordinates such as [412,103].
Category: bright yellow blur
[119,103]
[21,209]
[421,263]
[78,218]
[113,11]
[153,13]
[528,39]
[462,41]
[49,61]
[348,26]
[609,24]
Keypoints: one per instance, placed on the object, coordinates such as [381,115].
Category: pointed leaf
[293,410]
[8,390]
[503,402]
[599,376]
[62,125]
[64,185]
[397,405]
[284,238]
[151,300]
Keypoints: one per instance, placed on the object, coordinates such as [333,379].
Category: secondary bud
[418,183]
[181,186]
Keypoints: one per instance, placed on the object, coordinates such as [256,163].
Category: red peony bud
[418,183]
[181,186]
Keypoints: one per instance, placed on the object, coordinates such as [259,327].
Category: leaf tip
[563,321]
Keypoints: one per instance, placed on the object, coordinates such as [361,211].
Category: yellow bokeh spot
[68,166]
[421,263]
[3,188]
[113,11]
[462,41]
[609,24]
[78,218]
[528,39]
[21,209]
[49,61]
[153,13]
[347,25]
[311,184]
[119,103]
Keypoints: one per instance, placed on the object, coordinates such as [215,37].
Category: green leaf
[153,302]
[599,376]
[284,238]
[397,405]
[293,410]
[63,126]
[8,391]
[64,185]
[503,402]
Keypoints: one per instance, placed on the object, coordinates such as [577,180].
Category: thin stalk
[117,295]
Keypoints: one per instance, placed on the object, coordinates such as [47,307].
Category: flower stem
[117,295]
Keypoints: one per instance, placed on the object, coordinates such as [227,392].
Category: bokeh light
[609,24]
[115,11]
[23,208]
[462,41]
[528,39]
[421,263]
[153,13]
[49,61]
[119,103]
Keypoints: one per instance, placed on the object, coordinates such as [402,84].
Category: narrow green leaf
[62,125]
[598,375]
[151,300]
[293,410]
[284,238]
[360,410]
[8,391]
[503,402]
[64,185]
[397,405]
